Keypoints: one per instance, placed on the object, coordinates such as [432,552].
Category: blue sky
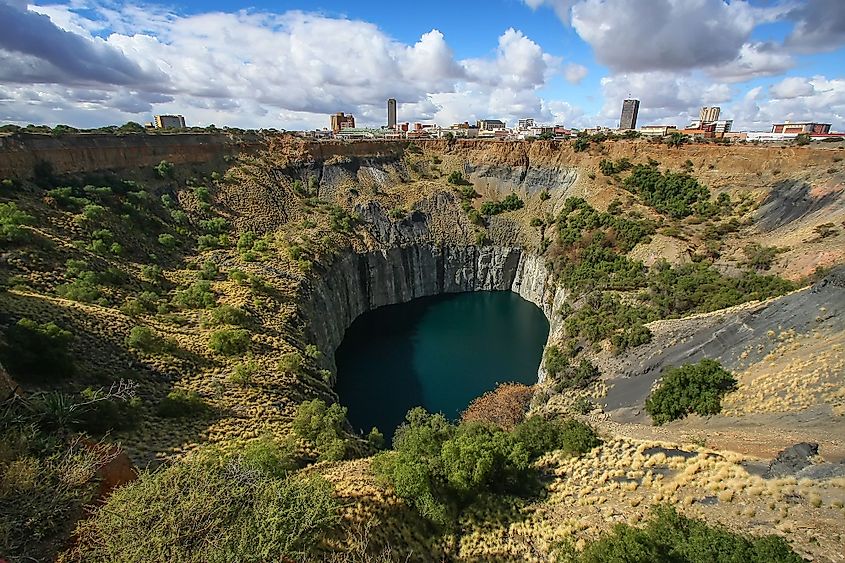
[289,64]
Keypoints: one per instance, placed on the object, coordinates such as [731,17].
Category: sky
[289,64]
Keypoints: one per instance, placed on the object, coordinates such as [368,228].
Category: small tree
[504,407]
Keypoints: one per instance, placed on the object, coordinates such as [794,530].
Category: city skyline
[93,63]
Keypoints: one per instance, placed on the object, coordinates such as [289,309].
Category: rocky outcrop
[359,282]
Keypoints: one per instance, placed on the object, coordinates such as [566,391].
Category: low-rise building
[801,127]
[490,124]
[657,130]
[169,122]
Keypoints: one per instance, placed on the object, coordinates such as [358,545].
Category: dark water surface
[437,352]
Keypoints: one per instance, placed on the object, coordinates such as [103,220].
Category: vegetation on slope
[441,468]
[671,537]
[691,388]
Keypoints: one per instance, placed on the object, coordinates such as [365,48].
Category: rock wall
[20,153]
[357,283]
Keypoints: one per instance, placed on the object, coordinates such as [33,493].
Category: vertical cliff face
[357,283]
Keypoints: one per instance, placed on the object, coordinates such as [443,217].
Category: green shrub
[145,339]
[103,415]
[340,221]
[167,240]
[85,288]
[605,316]
[581,144]
[244,373]
[229,341]
[229,315]
[164,169]
[209,271]
[290,363]
[246,241]
[92,212]
[152,273]
[215,226]
[457,178]
[545,195]
[609,168]
[37,352]
[322,425]
[691,388]
[760,257]
[510,203]
[440,468]
[670,536]
[673,193]
[210,242]
[202,194]
[197,511]
[11,220]
[197,296]
[181,404]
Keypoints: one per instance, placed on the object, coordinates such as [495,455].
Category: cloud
[574,73]
[53,54]
[792,87]
[647,35]
[254,68]
[819,26]
[753,61]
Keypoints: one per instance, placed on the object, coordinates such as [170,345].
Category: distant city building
[709,113]
[342,121]
[526,123]
[801,127]
[391,113]
[630,108]
[657,130]
[490,124]
[169,122]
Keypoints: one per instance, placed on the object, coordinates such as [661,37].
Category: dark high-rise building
[391,113]
[629,114]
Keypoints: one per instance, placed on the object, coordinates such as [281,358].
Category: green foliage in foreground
[37,352]
[43,485]
[691,388]
[440,468]
[670,537]
[212,512]
[229,341]
[11,219]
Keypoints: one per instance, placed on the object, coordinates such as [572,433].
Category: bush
[322,425]
[182,404]
[145,339]
[197,296]
[167,240]
[290,363]
[215,226]
[228,315]
[605,316]
[441,469]
[503,407]
[104,415]
[84,288]
[581,144]
[42,489]
[11,220]
[229,341]
[510,203]
[164,169]
[210,242]
[209,271]
[457,178]
[37,352]
[691,388]
[673,193]
[199,511]
[243,373]
[760,257]
[670,536]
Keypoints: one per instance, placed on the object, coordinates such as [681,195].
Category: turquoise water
[437,352]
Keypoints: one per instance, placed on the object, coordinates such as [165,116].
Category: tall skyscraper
[709,113]
[629,114]
[391,113]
